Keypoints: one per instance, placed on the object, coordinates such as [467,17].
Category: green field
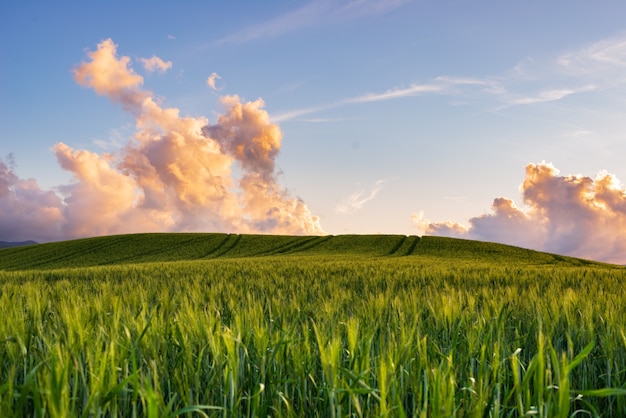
[255,325]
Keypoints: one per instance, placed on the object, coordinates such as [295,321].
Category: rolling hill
[166,247]
[5,244]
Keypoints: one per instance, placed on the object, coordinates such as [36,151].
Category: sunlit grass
[317,335]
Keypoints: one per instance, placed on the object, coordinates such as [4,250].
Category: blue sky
[396,115]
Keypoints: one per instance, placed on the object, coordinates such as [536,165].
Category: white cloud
[116,140]
[550,95]
[587,69]
[312,13]
[359,198]
[391,94]
[395,93]
[596,59]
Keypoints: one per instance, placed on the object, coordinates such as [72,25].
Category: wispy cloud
[550,95]
[597,59]
[439,85]
[390,94]
[359,198]
[395,93]
[587,69]
[118,138]
[446,86]
[312,13]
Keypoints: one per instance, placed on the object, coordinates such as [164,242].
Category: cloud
[395,93]
[590,68]
[363,8]
[550,95]
[573,215]
[115,140]
[212,79]
[299,18]
[175,174]
[597,59]
[310,14]
[109,76]
[155,64]
[358,199]
[26,211]
[452,86]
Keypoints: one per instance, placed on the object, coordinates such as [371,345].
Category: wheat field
[363,326]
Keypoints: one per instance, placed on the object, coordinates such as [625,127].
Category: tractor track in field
[296,242]
[76,252]
[397,246]
[411,249]
[153,252]
[314,243]
[228,244]
[219,246]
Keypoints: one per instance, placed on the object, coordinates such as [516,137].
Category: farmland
[251,325]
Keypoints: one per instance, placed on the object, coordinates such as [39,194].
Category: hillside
[158,247]
[5,244]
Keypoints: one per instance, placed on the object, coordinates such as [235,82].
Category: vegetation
[244,325]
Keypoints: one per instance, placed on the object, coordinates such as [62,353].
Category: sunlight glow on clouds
[573,215]
[155,64]
[174,175]
[212,79]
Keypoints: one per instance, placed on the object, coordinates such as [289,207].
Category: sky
[497,121]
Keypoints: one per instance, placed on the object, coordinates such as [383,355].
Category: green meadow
[220,325]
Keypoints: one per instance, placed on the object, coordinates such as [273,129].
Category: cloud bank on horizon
[573,215]
[176,174]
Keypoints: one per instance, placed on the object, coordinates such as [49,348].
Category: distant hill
[5,244]
[161,247]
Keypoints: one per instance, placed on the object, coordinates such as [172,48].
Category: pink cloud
[212,79]
[573,215]
[26,211]
[175,174]
[155,64]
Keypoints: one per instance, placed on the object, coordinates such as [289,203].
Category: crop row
[147,248]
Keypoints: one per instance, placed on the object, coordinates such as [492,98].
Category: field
[243,325]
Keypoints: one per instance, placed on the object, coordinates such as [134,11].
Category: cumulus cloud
[573,215]
[109,76]
[212,79]
[26,211]
[155,64]
[175,174]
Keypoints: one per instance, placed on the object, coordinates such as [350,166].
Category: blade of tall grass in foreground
[314,337]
